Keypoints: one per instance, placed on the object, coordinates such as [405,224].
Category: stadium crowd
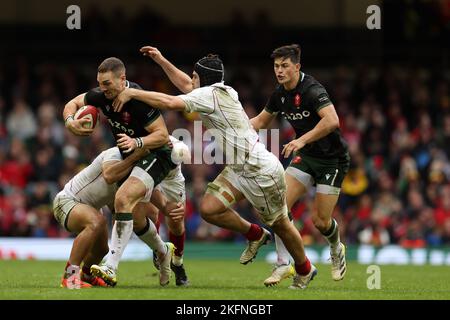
[397,125]
[395,118]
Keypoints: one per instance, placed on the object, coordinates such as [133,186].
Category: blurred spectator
[21,122]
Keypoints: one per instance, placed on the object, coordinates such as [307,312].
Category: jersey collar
[302,76]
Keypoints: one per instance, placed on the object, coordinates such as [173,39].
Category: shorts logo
[297,159]
[297,100]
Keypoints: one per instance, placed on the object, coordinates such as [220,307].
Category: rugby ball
[88,112]
[180,153]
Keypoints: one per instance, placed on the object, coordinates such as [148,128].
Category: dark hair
[112,64]
[209,69]
[291,51]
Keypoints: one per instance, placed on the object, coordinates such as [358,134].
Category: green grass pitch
[224,280]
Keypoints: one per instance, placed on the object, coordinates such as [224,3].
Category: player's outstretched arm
[262,120]
[114,171]
[75,126]
[180,79]
[155,99]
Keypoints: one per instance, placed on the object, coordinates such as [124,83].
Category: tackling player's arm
[158,137]
[114,171]
[180,79]
[155,99]
[328,123]
[262,120]
[75,126]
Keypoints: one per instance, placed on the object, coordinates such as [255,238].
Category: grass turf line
[224,280]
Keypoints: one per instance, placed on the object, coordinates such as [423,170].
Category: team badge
[297,100]
[282,99]
[297,159]
[126,117]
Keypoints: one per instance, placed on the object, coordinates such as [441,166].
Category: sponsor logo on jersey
[297,100]
[126,117]
[122,128]
[296,116]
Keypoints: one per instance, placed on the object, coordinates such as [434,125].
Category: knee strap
[223,193]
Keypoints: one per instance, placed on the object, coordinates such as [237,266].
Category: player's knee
[98,223]
[122,202]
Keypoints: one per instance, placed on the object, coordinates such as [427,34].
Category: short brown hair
[291,51]
[112,64]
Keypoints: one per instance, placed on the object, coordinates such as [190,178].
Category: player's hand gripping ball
[90,113]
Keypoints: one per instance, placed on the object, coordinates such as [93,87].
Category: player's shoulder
[133,85]
[95,97]
[309,80]
[201,92]
[311,85]
[95,92]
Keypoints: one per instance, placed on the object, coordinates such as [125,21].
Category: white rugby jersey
[89,186]
[221,112]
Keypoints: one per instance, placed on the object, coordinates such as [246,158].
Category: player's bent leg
[325,203]
[88,223]
[133,190]
[295,189]
[147,232]
[214,211]
[293,242]
[214,208]
[98,250]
